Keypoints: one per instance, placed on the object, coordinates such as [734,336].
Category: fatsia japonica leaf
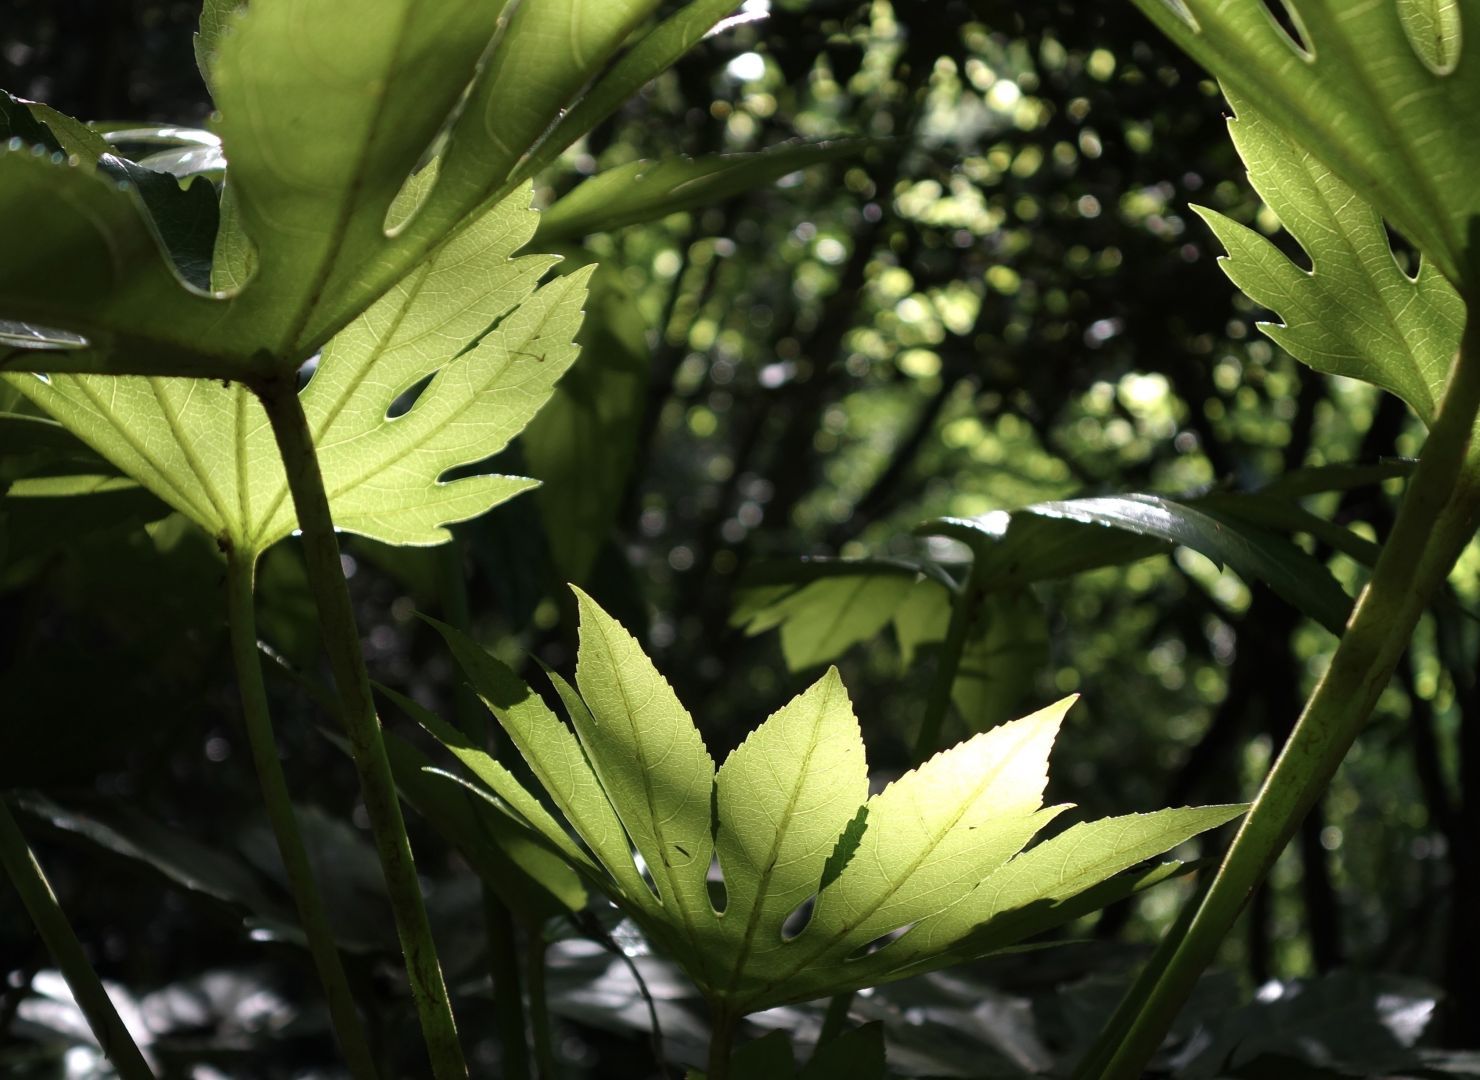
[1354,312]
[206,449]
[927,867]
[1380,93]
[325,110]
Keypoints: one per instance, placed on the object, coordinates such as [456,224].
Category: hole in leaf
[797,921]
[646,874]
[406,400]
[719,893]
[879,942]
[1287,18]
[1433,30]
[1404,253]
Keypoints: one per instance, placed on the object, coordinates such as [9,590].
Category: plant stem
[835,1019]
[939,702]
[51,923]
[498,922]
[242,617]
[721,1037]
[539,1009]
[1434,524]
[362,725]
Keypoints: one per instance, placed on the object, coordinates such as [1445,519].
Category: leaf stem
[51,923]
[1434,524]
[939,702]
[362,725]
[539,1008]
[240,567]
[721,1038]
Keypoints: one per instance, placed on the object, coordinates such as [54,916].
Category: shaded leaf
[582,445]
[643,190]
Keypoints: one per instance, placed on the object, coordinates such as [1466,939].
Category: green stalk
[539,1010]
[498,921]
[1434,524]
[51,923]
[362,725]
[240,566]
[939,702]
[721,1038]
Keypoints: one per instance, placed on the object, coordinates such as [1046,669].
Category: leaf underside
[1354,312]
[1382,94]
[927,867]
[207,450]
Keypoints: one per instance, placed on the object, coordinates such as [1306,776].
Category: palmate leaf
[1381,93]
[325,110]
[1355,312]
[206,449]
[934,861]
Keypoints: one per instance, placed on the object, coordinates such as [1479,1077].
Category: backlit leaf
[1354,312]
[206,449]
[797,838]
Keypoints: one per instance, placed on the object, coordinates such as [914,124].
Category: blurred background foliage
[1004,301]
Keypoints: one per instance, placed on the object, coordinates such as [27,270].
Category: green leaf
[553,754]
[1057,870]
[534,882]
[792,824]
[1007,647]
[766,1058]
[653,54]
[544,56]
[582,445]
[783,798]
[324,116]
[856,1054]
[1382,96]
[643,190]
[1354,312]
[651,761]
[511,795]
[207,450]
[825,607]
[1254,552]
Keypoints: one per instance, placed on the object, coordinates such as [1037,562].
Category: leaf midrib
[779,834]
[925,852]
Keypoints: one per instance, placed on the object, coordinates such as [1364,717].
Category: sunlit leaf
[206,449]
[925,867]
[1354,312]
[1381,94]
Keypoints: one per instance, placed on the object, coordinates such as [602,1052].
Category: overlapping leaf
[325,111]
[932,862]
[1354,312]
[1383,94]
[206,449]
